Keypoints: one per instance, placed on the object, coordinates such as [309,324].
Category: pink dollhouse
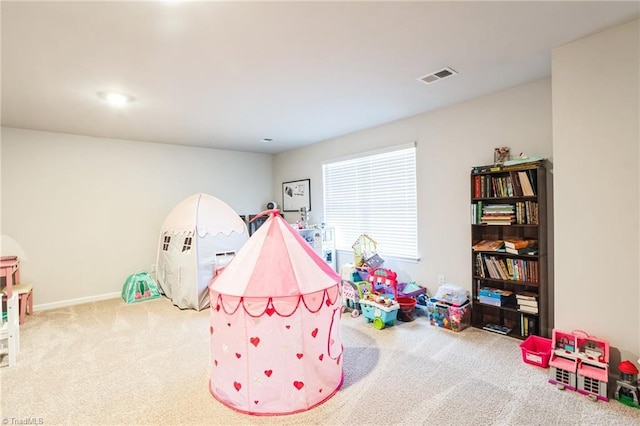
[580,362]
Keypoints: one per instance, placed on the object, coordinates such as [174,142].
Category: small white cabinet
[323,242]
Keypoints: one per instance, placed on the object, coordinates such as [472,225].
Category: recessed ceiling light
[266,140]
[116,99]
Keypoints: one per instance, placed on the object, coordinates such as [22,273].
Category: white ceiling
[227,74]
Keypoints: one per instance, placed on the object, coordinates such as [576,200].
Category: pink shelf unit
[580,362]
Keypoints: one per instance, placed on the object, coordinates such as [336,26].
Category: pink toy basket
[536,351]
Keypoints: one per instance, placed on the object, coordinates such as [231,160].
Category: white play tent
[275,321]
[200,236]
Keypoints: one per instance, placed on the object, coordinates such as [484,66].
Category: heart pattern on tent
[268,373]
[237,385]
[255,341]
[299,356]
[314,333]
[321,357]
[298,385]
[238,355]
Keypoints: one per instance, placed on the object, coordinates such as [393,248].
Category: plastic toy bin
[536,351]
[446,315]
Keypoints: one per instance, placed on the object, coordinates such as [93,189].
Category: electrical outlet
[440,279]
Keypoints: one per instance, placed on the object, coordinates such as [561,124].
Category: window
[165,242]
[187,244]
[222,260]
[374,195]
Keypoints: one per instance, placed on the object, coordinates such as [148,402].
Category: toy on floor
[580,362]
[138,287]
[407,305]
[449,308]
[386,278]
[628,388]
[351,298]
[380,310]
[363,248]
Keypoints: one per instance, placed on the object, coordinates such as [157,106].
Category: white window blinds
[374,195]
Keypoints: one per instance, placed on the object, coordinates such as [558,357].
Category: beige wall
[596,119]
[87,211]
[449,142]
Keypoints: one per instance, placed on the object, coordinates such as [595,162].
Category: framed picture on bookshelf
[296,194]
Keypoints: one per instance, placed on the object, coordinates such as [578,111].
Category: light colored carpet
[148,363]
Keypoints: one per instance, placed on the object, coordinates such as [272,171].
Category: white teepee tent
[199,237]
[275,322]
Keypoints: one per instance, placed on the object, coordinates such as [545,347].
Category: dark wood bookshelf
[496,186]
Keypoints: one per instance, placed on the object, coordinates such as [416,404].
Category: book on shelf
[528,309]
[501,329]
[494,268]
[498,214]
[532,251]
[527,302]
[524,325]
[533,303]
[528,325]
[504,270]
[518,243]
[480,266]
[527,188]
[515,183]
[533,178]
[488,245]
[495,296]
[496,221]
[527,295]
[503,208]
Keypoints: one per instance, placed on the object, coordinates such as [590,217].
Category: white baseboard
[71,302]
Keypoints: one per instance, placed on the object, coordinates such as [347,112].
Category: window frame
[373,165]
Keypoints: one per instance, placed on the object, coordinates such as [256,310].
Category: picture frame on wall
[296,194]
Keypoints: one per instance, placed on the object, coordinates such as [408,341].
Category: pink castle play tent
[275,320]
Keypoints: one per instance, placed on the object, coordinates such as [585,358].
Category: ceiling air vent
[438,75]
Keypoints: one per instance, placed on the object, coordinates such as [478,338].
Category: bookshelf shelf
[508,206]
[521,225]
[507,282]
